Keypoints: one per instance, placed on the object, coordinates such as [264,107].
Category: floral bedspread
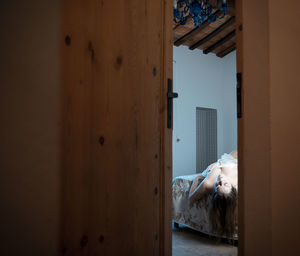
[195,216]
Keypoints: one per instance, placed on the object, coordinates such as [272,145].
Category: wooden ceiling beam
[226,51]
[226,24]
[194,31]
[220,42]
[176,26]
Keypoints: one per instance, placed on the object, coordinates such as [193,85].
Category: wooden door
[117,177]
[268,131]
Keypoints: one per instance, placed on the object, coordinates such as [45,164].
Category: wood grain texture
[113,75]
[213,34]
[192,32]
[166,145]
[226,51]
[220,42]
[77,122]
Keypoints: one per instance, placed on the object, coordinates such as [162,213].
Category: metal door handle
[239,95]
[170,96]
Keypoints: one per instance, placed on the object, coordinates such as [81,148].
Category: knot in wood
[119,62]
[101,140]
[154,71]
[68,40]
[84,241]
[101,239]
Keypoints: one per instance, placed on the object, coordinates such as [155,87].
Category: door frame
[165,242]
[166,148]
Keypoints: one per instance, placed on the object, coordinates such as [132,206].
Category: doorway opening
[204,135]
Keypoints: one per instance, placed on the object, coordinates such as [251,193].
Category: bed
[195,216]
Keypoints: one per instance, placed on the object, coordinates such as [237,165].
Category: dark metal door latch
[239,94]
[170,96]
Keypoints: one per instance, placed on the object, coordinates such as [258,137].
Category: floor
[187,242]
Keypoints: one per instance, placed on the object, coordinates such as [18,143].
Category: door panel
[255,170]
[166,149]
[206,138]
[114,137]
[269,129]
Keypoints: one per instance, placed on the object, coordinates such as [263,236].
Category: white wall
[202,81]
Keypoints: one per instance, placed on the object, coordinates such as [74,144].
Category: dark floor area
[188,242]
